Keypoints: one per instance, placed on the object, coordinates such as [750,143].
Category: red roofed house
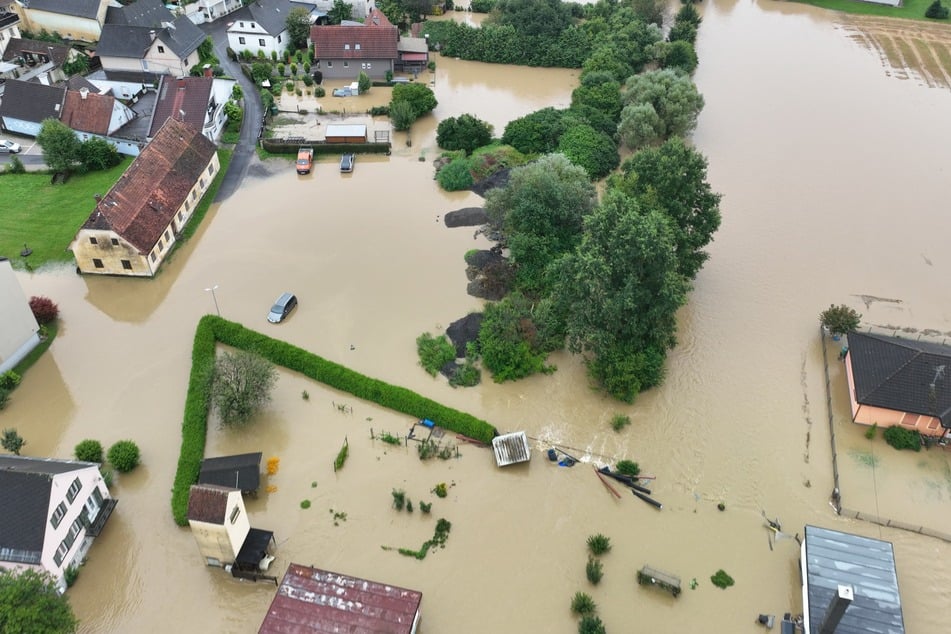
[91,114]
[314,600]
[135,225]
[341,52]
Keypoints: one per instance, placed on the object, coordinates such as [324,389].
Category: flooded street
[831,166]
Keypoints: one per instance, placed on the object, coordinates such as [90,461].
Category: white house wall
[18,328]
[8,34]
[256,39]
[237,524]
[121,115]
[167,62]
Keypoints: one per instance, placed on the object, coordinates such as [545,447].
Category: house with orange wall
[895,381]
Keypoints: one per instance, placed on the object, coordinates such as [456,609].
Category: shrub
[871,431]
[590,624]
[388,76]
[455,176]
[379,111]
[280,69]
[440,490]
[9,380]
[399,499]
[599,544]
[434,352]
[464,132]
[289,86]
[4,397]
[628,467]
[594,570]
[12,441]
[44,309]
[71,574]
[236,92]
[364,83]
[305,504]
[89,451]
[402,115]
[466,375]
[231,54]
[424,507]
[308,80]
[620,421]
[721,580]
[840,320]
[107,475]
[15,166]
[901,438]
[583,604]
[124,456]
[937,11]
[342,456]
[319,91]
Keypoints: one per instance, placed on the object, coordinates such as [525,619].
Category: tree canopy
[241,386]
[537,132]
[340,11]
[658,104]
[545,18]
[673,178]
[419,96]
[593,150]
[29,603]
[465,132]
[298,27]
[60,145]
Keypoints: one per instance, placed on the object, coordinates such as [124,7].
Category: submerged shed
[346,133]
[241,471]
[314,600]
[850,585]
[511,448]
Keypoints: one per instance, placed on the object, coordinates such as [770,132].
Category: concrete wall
[70,27]
[18,328]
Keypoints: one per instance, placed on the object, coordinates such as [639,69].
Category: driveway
[253,122]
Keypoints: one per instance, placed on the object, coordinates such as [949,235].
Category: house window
[96,262]
[93,240]
[278,39]
[369,65]
[261,42]
[211,170]
[234,514]
[241,24]
[115,242]
[179,216]
[188,206]
[194,194]
[346,64]
[356,46]
[346,47]
[330,64]
[58,514]
[61,553]
[74,489]
[168,235]
[152,256]
[127,265]
[161,243]
[252,26]
[202,181]
[241,39]
[161,49]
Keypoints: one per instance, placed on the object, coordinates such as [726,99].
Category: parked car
[346,162]
[305,159]
[282,308]
[9,147]
[341,92]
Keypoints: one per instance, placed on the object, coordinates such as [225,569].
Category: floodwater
[832,175]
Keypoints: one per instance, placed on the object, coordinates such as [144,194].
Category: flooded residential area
[829,149]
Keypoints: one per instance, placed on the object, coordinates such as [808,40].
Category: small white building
[19,332]
[52,512]
[219,522]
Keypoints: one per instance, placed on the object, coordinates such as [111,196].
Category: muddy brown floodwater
[834,187]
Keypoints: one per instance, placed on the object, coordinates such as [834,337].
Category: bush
[379,111]
[840,320]
[901,438]
[9,380]
[871,431]
[44,309]
[583,604]
[590,624]
[721,580]
[319,91]
[89,451]
[71,574]
[937,11]
[599,544]
[4,397]
[620,421]
[466,375]
[399,499]
[628,467]
[308,80]
[402,115]
[455,176]
[594,570]
[124,456]
[15,166]
[464,132]
[434,352]
[363,83]
[236,92]
[289,86]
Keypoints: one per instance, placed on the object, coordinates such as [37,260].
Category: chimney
[837,606]
[83,93]
[152,35]
[207,69]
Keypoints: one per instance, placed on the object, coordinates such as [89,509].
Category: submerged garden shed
[346,133]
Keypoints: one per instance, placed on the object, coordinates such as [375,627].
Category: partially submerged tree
[658,104]
[841,319]
[12,442]
[241,386]
[30,602]
[465,132]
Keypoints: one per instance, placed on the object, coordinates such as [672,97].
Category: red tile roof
[377,39]
[91,112]
[314,600]
[208,503]
[145,199]
[184,94]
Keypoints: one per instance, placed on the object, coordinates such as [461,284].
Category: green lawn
[46,217]
[912,9]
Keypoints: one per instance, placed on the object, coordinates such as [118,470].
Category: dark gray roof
[121,40]
[31,101]
[25,500]
[78,8]
[140,13]
[902,374]
[270,14]
[834,558]
[242,471]
[183,37]
[18,46]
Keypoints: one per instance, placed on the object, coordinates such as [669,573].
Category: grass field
[46,217]
[911,9]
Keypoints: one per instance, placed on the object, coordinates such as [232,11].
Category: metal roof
[832,558]
[314,600]
[242,471]
[511,448]
[345,129]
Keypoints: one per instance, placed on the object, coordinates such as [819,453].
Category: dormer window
[356,46]
[346,47]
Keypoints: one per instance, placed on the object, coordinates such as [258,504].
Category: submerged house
[850,585]
[314,600]
[52,512]
[135,225]
[344,51]
[904,382]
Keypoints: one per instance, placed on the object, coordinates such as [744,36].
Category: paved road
[253,112]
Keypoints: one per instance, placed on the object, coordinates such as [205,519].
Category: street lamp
[215,298]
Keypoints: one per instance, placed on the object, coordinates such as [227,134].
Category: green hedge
[213,329]
[279,146]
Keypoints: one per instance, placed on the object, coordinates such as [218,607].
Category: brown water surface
[833,188]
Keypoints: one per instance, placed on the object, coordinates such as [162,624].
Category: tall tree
[419,96]
[340,11]
[61,147]
[658,104]
[30,602]
[465,132]
[241,386]
[545,18]
[540,213]
[298,27]
[12,442]
[537,132]
[619,292]
[673,178]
